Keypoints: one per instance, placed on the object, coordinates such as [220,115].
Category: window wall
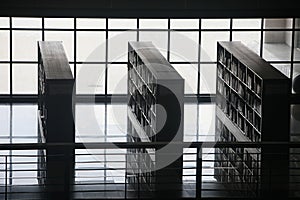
[97,48]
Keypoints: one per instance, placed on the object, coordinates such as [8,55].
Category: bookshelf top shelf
[253,61]
[55,61]
[155,61]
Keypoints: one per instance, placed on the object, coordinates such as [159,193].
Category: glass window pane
[20,22]
[250,39]
[57,23]
[158,38]
[90,23]
[297,46]
[184,46]
[190,74]
[208,78]
[4,79]
[209,44]
[277,45]
[67,38]
[24,120]
[5,121]
[278,23]
[215,23]
[283,68]
[117,121]
[246,23]
[90,46]
[24,79]
[184,23]
[190,120]
[89,122]
[207,122]
[153,23]
[90,79]
[296,79]
[117,79]
[4,22]
[297,23]
[122,23]
[4,45]
[118,45]
[25,45]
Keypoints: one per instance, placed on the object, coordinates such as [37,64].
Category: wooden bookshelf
[252,105]
[153,81]
[56,122]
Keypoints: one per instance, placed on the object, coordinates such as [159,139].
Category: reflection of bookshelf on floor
[252,106]
[152,81]
[56,124]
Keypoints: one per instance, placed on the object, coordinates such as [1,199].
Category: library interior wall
[281,36]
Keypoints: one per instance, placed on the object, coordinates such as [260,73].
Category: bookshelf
[252,105]
[152,81]
[55,117]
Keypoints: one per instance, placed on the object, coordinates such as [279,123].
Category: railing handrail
[127,145]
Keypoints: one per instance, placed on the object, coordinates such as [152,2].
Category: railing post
[125,183]
[138,182]
[6,177]
[199,173]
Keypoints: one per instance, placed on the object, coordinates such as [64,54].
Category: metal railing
[210,170]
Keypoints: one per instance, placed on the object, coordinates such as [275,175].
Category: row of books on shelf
[242,73]
[144,88]
[239,176]
[245,126]
[228,167]
[252,133]
[145,101]
[252,161]
[132,57]
[235,69]
[238,116]
[142,182]
[41,80]
[224,56]
[237,86]
[146,122]
[144,74]
[239,98]
[249,130]
[254,83]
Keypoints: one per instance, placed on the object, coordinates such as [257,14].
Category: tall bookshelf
[152,81]
[252,105]
[55,117]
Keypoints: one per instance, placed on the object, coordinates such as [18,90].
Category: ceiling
[150,8]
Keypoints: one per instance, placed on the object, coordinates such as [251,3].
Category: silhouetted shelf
[55,105]
[151,81]
[252,105]
[55,88]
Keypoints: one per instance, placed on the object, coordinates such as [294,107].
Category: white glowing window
[91,46]
[25,45]
[24,78]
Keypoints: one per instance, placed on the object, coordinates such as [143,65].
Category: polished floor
[95,123]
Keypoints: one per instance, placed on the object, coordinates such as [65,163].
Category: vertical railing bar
[138,183]
[6,177]
[199,173]
[258,175]
[126,182]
